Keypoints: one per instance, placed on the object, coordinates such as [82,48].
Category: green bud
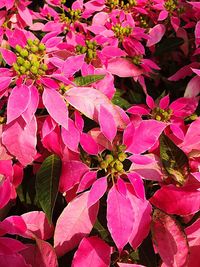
[34,49]
[36,42]
[121,148]
[27,64]
[18,48]
[109,158]
[90,54]
[103,164]
[32,58]
[24,53]
[16,67]
[44,67]
[22,69]
[41,72]
[36,64]
[34,70]
[20,60]
[122,156]
[118,166]
[158,118]
[90,45]
[83,49]
[30,42]
[41,47]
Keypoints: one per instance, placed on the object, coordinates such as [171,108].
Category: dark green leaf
[47,181]
[168,45]
[174,160]
[87,80]
[120,101]
[101,230]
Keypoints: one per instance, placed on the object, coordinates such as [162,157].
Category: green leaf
[168,44]
[101,230]
[120,101]
[174,160]
[87,80]
[47,182]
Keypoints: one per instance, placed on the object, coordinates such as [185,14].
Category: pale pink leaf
[24,146]
[193,87]
[155,34]
[71,137]
[107,124]
[56,106]
[75,222]
[92,251]
[18,102]
[8,56]
[119,224]
[37,224]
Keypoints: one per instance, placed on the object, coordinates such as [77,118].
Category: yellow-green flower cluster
[30,59]
[160,114]
[121,32]
[89,49]
[137,60]
[171,5]
[113,163]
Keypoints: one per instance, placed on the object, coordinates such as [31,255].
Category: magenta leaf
[179,201]
[97,191]
[92,251]
[169,240]
[119,224]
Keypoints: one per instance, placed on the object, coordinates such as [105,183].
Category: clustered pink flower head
[99,133]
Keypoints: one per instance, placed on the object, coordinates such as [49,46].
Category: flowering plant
[99,133]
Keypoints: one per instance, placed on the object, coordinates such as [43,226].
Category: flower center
[160,114]
[113,163]
[89,49]
[30,59]
[121,32]
[171,5]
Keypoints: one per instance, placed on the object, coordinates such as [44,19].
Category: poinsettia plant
[99,133]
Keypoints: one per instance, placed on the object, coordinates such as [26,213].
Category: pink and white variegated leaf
[88,101]
[56,106]
[24,136]
[71,137]
[8,56]
[92,251]
[169,239]
[107,124]
[119,224]
[18,102]
[155,34]
[37,224]
[75,222]
[41,254]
